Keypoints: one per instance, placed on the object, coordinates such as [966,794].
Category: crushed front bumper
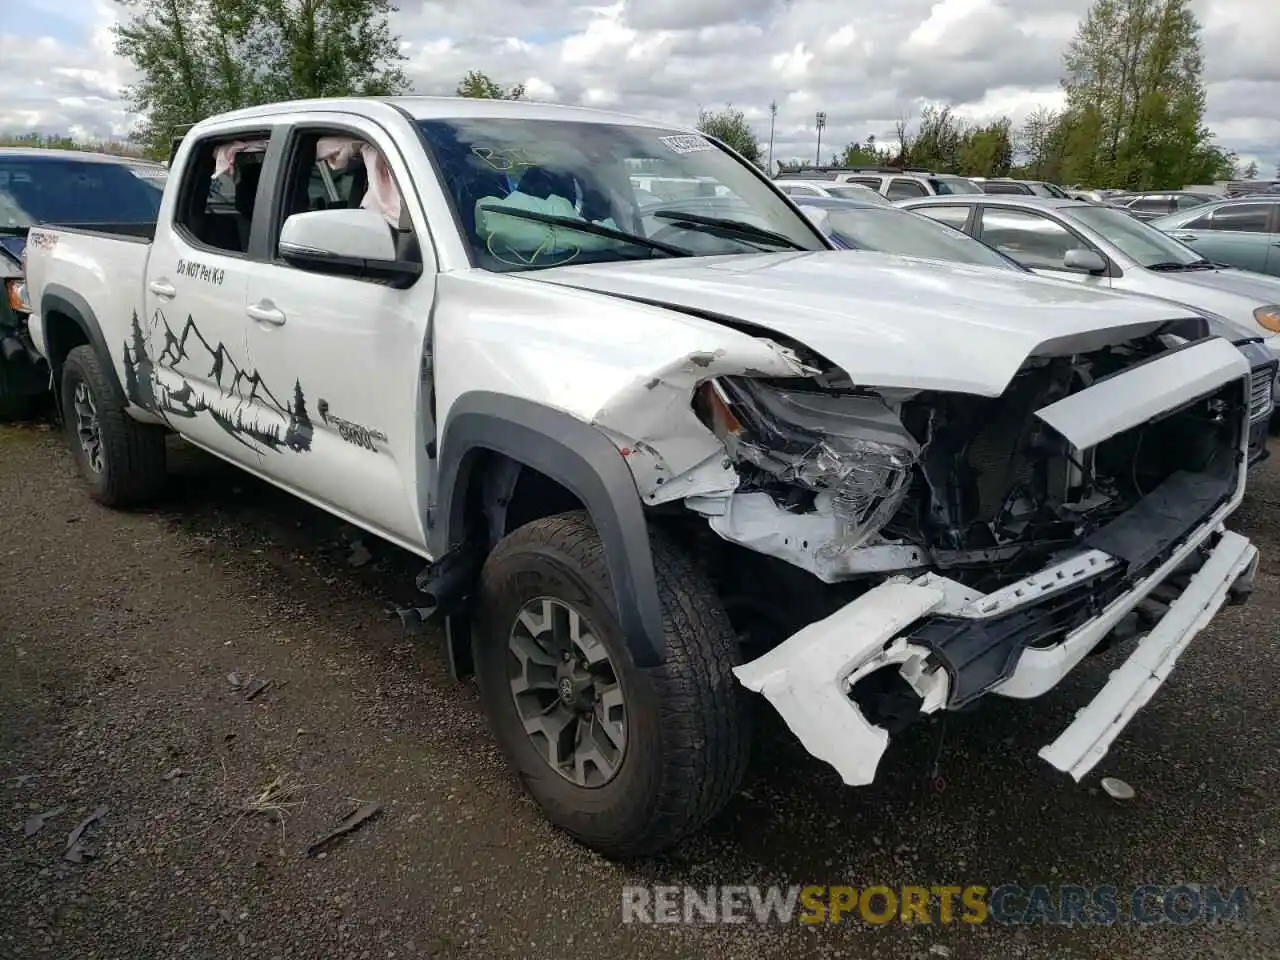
[1168,563]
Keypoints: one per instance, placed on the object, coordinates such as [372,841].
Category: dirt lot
[120,633]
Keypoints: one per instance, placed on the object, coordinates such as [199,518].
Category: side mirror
[350,242]
[1085,261]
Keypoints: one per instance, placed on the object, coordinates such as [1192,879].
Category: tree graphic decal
[298,436]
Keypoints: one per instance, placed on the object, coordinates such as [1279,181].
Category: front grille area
[1261,400]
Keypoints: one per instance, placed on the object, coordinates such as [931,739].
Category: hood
[1259,287]
[886,320]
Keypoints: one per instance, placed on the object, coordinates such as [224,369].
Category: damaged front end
[964,545]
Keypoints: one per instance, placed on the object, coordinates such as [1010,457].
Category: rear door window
[1242,218]
[903,189]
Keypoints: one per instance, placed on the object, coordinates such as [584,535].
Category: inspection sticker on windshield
[687,143]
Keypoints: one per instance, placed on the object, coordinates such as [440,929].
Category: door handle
[266,314]
[163,289]
[1184,237]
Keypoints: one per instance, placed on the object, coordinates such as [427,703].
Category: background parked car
[828,188]
[1148,206]
[1240,233]
[1026,188]
[64,187]
[857,225]
[1100,246]
[891,182]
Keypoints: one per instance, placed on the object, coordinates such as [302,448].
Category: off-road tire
[687,726]
[133,453]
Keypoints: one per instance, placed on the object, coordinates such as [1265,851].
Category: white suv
[909,184]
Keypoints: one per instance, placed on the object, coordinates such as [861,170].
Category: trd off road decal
[240,402]
[352,432]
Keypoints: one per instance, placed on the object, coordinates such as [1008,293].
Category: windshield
[57,190]
[947,186]
[853,191]
[1143,244]
[620,181]
[910,234]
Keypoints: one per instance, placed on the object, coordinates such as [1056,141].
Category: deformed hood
[886,320]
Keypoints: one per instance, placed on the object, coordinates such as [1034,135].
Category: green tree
[195,59]
[1250,171]
[481,86]
[1133,79]
[861,154]
[730,125]
[328,48]
[987,150]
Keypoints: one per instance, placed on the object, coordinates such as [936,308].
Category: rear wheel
[625,759]
[121,460]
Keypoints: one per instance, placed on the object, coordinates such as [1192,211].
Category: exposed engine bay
[977,487]
[962,544]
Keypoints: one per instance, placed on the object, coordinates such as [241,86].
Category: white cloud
[865,65]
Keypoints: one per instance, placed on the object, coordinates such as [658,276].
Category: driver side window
[1032,240]
[337,170]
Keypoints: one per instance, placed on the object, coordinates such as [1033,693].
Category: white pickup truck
[657,456]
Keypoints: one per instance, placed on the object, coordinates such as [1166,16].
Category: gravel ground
[120,634]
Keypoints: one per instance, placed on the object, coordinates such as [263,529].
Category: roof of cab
[429,108]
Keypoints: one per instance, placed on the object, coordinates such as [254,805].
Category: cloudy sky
[865,64]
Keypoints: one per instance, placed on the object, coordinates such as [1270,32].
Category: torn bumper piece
[1087,739]
[809,677]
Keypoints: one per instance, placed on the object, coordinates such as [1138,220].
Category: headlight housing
[850,450]
[1268,317]
[16,291]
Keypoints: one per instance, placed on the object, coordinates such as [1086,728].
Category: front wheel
[628,760]
[121,460]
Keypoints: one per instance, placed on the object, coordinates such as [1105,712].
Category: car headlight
[17,292]
[850,450]
[1268,317]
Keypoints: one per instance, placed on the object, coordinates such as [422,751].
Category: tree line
[1132,76]
[1133,115]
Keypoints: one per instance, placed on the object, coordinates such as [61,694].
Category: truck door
[187,355]
[340,356]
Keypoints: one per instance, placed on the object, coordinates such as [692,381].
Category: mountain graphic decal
[237,399]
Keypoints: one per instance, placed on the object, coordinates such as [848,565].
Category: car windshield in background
[531,194]
[852,191]
[910,234]
[56,190]
[946,186]
[1140,242]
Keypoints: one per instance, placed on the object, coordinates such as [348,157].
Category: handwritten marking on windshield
[687,143]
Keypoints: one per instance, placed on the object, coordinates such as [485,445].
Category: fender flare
[60,299]
[583,460]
